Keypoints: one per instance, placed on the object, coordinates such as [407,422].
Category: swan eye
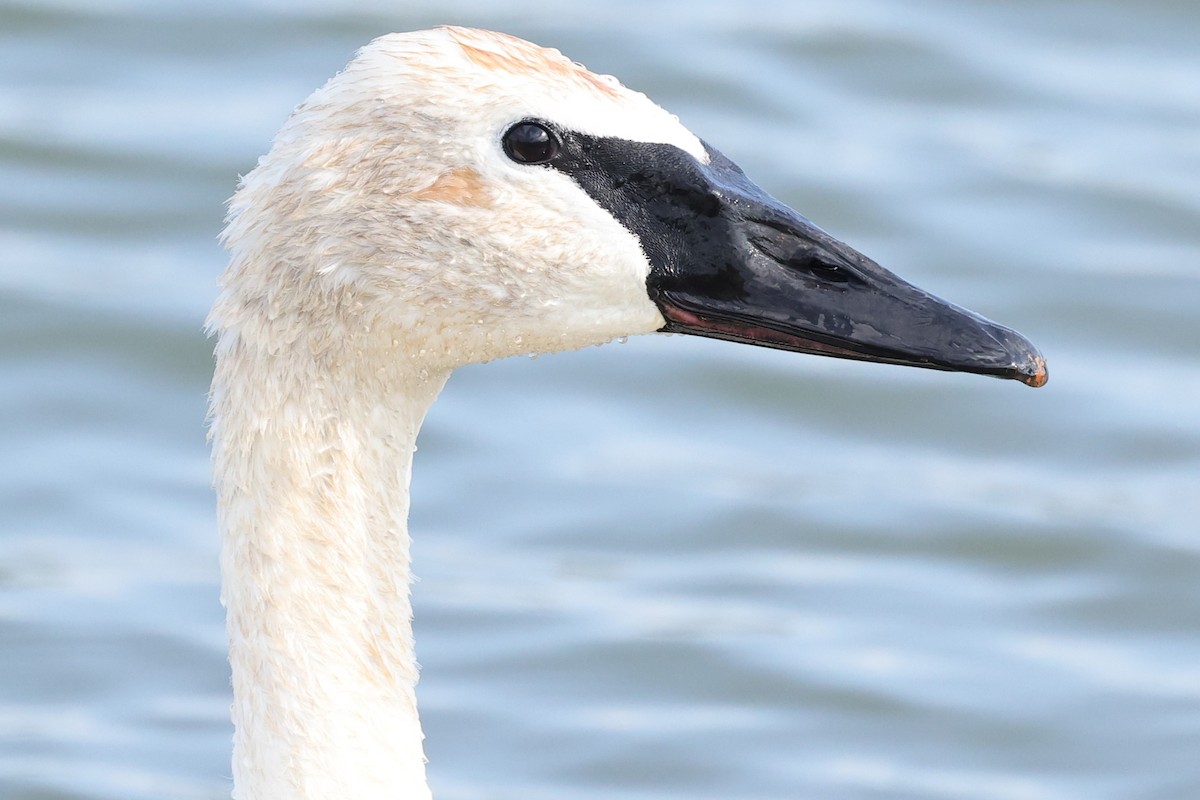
[530,143]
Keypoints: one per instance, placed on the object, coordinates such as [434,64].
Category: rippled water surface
[672,568]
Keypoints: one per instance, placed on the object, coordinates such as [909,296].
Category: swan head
[462,195]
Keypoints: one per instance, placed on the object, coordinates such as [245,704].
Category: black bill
[731,262]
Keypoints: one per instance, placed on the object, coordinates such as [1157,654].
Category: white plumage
[381,242]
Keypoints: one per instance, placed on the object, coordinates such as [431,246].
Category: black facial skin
[729,261]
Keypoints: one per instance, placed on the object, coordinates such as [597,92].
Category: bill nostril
[803,258]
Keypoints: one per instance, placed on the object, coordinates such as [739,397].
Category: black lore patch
[682,211]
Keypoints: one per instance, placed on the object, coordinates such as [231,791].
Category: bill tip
[1037,375]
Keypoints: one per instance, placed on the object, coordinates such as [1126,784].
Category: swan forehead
[489,80]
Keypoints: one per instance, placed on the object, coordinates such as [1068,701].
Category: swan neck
[312,467]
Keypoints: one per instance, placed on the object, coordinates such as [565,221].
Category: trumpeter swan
[455,196]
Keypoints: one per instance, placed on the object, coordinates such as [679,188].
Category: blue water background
[672,568]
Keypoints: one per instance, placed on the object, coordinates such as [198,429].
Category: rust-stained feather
[462,187]
[504,53]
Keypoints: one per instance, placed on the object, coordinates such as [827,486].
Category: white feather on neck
[313,492]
